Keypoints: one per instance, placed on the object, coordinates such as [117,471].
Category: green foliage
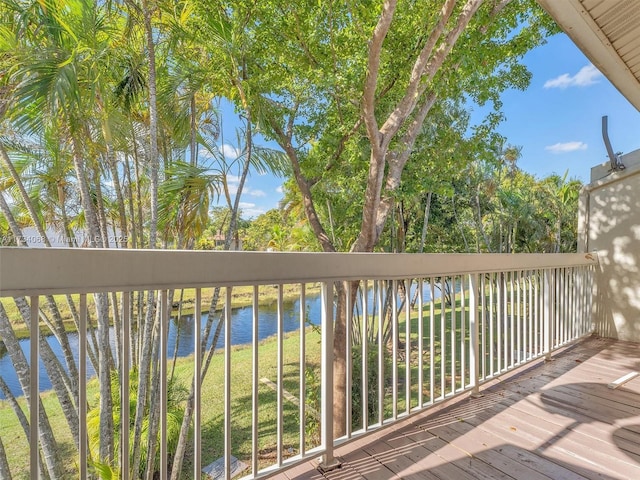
[176,394]
[312,402]
[184,200]
[372,383]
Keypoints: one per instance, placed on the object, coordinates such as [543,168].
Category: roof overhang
[608,33]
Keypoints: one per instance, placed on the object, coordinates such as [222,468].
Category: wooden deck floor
[555,420]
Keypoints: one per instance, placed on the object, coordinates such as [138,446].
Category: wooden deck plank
[435,447]
[555,420]
[598,455]
[484,445]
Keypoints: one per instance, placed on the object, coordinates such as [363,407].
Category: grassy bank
[212,412]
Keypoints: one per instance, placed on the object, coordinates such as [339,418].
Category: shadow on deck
[556,420]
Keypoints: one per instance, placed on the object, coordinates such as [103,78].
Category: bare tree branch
[373,67]
[408,102]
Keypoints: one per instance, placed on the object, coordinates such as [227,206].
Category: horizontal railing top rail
[25,271]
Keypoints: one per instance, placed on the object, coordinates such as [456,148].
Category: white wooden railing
[472,318]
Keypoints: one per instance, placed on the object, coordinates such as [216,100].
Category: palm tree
[175,411]
[55,71]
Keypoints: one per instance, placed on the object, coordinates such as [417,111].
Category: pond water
[183,332]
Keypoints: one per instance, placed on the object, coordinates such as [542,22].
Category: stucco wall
[610,224]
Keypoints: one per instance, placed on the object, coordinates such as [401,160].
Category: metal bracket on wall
[614,159]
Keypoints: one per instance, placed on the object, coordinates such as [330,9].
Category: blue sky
[556,121]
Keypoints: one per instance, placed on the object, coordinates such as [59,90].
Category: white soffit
[608,33]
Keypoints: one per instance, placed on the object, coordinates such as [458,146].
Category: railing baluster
[380,287]
[483,324]
[280,375]
[82,390]
[548,306]
[443,340]
[432,339]
[197,386]
[420,287]
[463,334]
[512,326]
[557,299]
[474,361]
[164,323]
[494,344]
[518,317]
[505,322]
[255,358]
[584,305]
[581,299]
[578,286]
[538,290]
[562,297]
[499,314]
[394,347]
[348,360]
[303,367]
[125,370]
[570,320]
[453,322]
[578,300]
[365,357]
[407,345]
[227,384]
[566,293]
[530,307]
[326,427]
[34,386]
[569,294]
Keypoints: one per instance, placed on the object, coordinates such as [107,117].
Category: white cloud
[566,147]
[229,151]
[257,193]
[587,75]
[280,189]
[251,210]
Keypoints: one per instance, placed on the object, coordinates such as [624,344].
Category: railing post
[474,347]
[548,313]
[327,461]
[34,387]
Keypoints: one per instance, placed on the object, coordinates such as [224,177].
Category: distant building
[219,239]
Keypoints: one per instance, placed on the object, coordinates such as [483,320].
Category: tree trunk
[24,423]
[58,330]
[425,224]
[4,464]
[145,357]
[21,366]
[479,223]
[154,404]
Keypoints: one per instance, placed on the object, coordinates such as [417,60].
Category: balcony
[435,383]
